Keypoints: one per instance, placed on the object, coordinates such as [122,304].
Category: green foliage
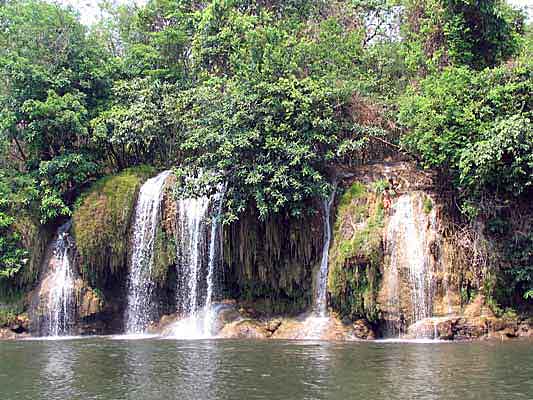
[53,79]
[267,97]
[271,142]
[135,128]
[101,222]
[13,256]
[481,34]
[519,271]
[356,254]
[475,127]
[427,206]
[469,33]
[7,317]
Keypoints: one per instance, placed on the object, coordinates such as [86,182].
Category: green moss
[356,254]
[427,205]
[35,238]
[164,255]
[101,222]
[11,306]
[270,264]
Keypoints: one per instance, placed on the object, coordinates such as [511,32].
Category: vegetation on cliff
[356,255]
[101,223]
[270,97]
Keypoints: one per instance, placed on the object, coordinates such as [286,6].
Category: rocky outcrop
[469,328]
[270,263]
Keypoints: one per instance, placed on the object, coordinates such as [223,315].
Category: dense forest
[269,98]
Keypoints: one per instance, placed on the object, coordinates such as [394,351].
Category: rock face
[271,263]
[393,266]
[85,305]
[469,328]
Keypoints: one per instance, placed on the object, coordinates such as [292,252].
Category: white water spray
[321,306]
[196,266]
[318,321]
[140,284]
[60,305]
[408,243]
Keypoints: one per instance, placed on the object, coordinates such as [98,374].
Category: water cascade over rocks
[198,250]
[317,322]
[56,293]
[408,279]
[140,283]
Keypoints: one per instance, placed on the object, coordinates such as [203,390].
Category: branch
[19,147]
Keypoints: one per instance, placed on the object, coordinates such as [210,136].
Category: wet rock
[470,328]
[363,330]
[273,325]
[478,308]
[245,329]
[445,329]
[89,302]
[467,328]
[290,328]
[525,329]
[9,334]
[228,315]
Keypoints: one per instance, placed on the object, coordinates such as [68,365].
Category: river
[111,368]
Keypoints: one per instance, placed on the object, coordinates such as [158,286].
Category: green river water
[114,368]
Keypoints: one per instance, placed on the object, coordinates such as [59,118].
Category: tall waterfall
[209,312]
[409,234]
[59,283]
[197,244]
[321,306]
[140,283]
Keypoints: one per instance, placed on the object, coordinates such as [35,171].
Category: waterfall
[408,243]
[197,244]
[140,284]
[316,323]
[60,285]
[321,306]
[191,251]
[209,313]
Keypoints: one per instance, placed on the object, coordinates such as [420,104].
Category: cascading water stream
[197,252]
[60,284]
[191,250]
[316,323]
[140,283]
[209,312]
[321,306]
[408,245]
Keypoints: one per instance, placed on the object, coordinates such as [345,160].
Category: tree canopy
[267,97]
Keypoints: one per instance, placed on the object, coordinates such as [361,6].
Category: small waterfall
[408,242]
[209,312]
[317,322]
[56,292]
[321,306]
[140,284]
[197,244]
[191,251]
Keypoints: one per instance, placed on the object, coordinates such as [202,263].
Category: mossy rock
[357,253]
[101,223]
[270,263]
[35,238]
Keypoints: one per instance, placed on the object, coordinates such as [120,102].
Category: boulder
[245,329]
[363,330]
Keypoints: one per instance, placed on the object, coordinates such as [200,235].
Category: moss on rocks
[357,253]
[270,263]
[101,223]
[35,238]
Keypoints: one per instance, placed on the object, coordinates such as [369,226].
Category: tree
[53,80]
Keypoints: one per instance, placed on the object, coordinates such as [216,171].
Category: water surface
[111,368]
